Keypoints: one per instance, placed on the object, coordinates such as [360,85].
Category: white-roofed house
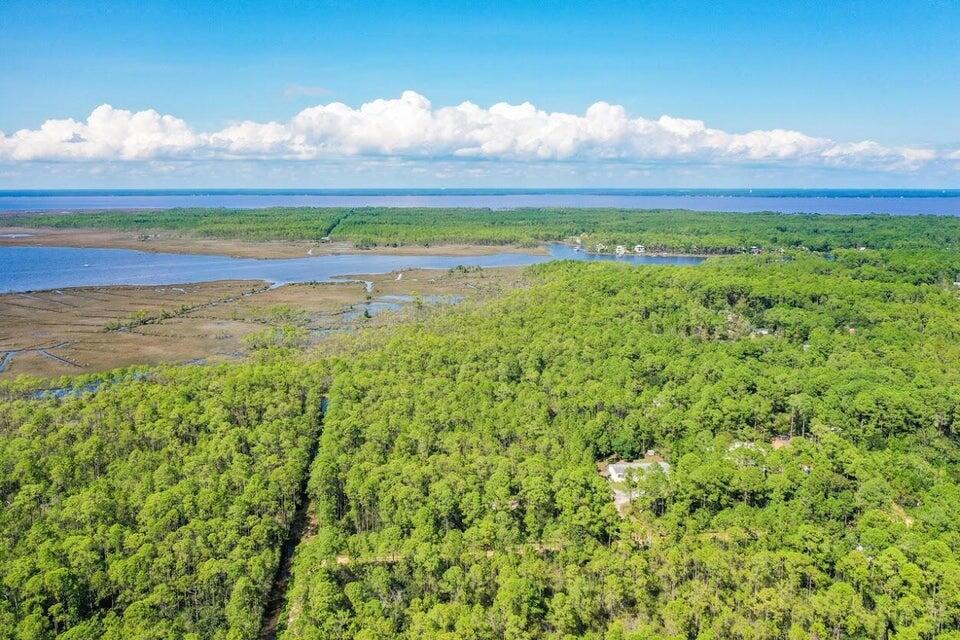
[621,474]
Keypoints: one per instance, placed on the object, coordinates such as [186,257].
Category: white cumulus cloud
[412,127]
[107,134]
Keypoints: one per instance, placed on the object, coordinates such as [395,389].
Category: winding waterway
[41,268]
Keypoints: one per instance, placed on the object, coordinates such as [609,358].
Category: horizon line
[30,191]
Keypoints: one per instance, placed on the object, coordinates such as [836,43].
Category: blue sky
[839,73]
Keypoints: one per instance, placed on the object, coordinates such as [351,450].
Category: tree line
[658,230]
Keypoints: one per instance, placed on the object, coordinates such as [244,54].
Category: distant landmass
[833,201]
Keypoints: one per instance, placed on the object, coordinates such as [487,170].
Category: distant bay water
[833,201]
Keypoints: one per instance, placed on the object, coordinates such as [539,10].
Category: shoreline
[649,254]
[167,242]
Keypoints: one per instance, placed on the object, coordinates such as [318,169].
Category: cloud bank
[410,127]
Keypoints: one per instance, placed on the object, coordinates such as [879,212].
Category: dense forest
[457,480]
[658,230]
[153,507]
[807,404]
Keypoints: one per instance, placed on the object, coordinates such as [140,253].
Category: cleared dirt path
[300,528]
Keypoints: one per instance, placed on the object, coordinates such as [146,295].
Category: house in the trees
[639,248]
[621,251]
[781,441]
[742,444]
[621,473]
